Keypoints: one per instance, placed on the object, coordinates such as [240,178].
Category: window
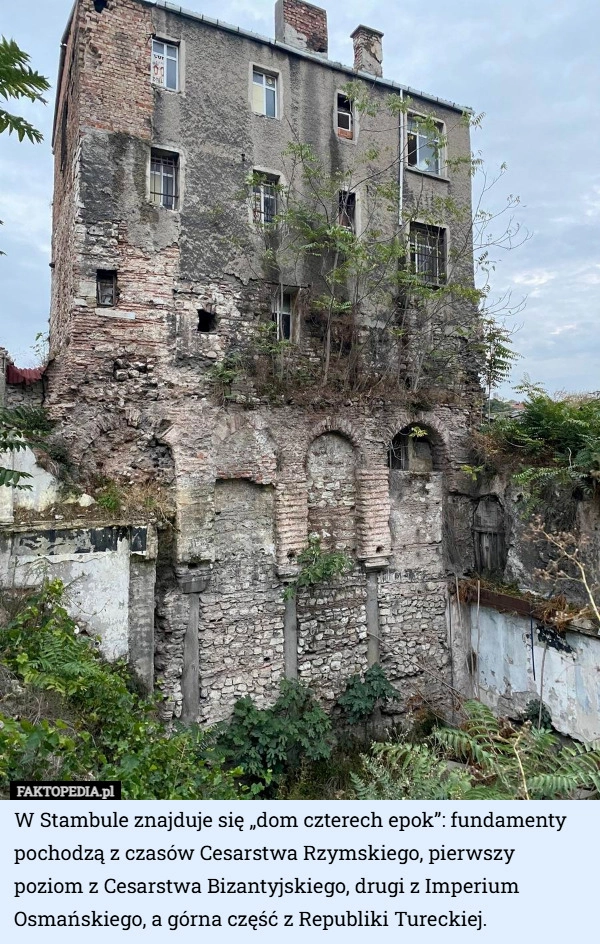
[428,253]
[283,304]
[345,117]
[106,288]
[264,207]
[207,321]
[264,93]
[347,210]
[165,64]
[424,145]
[164,179]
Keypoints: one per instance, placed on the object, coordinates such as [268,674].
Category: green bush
[268,744]
[362,696]
[112,734]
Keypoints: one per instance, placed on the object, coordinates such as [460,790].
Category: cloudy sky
[532,67]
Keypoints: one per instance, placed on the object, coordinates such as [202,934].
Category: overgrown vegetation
[98,727]
[271,744]
[386,308]
[21,427]
[500,761]
[553,443]
[67,714]
[317,566]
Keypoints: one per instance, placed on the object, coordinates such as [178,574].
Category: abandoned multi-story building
[188,333]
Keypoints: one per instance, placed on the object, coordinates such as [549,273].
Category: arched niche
[416,448]
[331,477]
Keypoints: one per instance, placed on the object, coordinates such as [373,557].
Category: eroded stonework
[135,388]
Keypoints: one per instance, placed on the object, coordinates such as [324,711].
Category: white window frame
[162,198]
[155,77]
[283,305]
[350,114]
[423,139]
[261,198]
[265,74]
[433,276]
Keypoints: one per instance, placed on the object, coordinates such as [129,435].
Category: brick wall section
[368,55]
[301,24]
[115,91]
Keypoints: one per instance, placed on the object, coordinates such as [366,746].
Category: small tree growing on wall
[384,299]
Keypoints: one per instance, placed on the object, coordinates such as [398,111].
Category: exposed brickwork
[301,24]
[368,55]
[138,389]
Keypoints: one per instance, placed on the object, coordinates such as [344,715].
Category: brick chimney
[302,25]
[368,53]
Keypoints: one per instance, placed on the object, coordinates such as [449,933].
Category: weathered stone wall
[134,390]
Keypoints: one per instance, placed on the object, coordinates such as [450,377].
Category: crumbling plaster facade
[129,385]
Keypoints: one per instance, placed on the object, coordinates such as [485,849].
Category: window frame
[166,43]
[164,155]
[440,149]
[343,210]
[105,276]
[346,134]
[266,74]
[259,197]
[436,275]
[278,313]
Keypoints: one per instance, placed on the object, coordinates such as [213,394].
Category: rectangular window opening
[207,321]
[424,145]
[283,309]
[264,205]
[345,117]
[164,179]
[165,65]
[347,210]
[106,288]
[428,253]
[264,93]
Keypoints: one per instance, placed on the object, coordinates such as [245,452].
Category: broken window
[264,93]
[283,305]
[345,117]
[164,179]
[488,534]
[165,64]
[410,451]
[207,321]
[428,253]
[424,145]
[264,208]
[106,288]
[347,210]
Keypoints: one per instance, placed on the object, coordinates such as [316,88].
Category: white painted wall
[506,665]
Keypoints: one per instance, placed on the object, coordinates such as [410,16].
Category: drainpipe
[401,136]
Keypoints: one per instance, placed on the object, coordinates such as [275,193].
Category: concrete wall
[497,662]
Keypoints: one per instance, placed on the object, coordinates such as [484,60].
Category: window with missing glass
[283,307]
[424,144]
[164,179]
[347,210]
[264,198]
[106,288]
[428,253]
[165,65]
[345,117]
[264,93]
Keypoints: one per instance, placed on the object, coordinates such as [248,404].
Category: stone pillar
[142,576]
[290,639]
[373,626]
[192,585]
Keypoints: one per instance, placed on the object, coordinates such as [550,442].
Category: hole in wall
[207,321]
[379,549]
